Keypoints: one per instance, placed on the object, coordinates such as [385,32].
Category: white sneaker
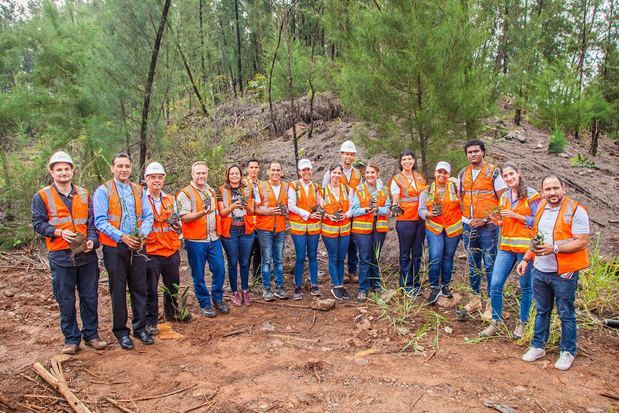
[564,361]
[533,354]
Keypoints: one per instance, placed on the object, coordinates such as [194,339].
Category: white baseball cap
[154,168]
[305,163]
[348,146]
[443,165]
[60,156]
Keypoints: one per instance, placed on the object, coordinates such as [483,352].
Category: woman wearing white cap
[303,198]
[439,206]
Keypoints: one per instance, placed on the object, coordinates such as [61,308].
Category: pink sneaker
[247,297]
[237,299]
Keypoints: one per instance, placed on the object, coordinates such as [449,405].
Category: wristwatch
[555,249]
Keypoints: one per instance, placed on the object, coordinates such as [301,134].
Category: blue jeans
[238,248]
[370,246]
[198,253]
[549,287]
[410,238]
[441,250]
[337,248]
[272,251]
[64,282]
[503,266]
[353,256]
[305,245]
[480,242]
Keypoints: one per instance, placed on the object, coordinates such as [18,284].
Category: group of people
[142,230]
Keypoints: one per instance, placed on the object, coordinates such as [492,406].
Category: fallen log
[62,388]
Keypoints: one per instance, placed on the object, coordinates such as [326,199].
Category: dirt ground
[276,357]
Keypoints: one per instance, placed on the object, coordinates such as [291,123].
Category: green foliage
[581,161]
[558,142]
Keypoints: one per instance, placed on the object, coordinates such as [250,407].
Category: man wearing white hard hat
[62,213]
[351,177]
[439,206]
[162,246]
[304,217]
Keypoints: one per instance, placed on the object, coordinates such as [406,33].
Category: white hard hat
[60,156]
[443,165]
[348,146]
[305,163]
[154,168]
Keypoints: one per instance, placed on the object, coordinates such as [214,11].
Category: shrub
[558,142]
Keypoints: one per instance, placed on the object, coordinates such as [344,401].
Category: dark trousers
[256,259]
[126,269]
[370,246]
[64,282]
[410,237]
[168,268]
[353,256]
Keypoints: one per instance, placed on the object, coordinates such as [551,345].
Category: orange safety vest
[355,178]
[275,223]
[515,235]
[61,218]
[409,195]
[162,240]
[226,221]
[450,219]
[115,209]
[566,262]
[198,229]
[298,225]
[333,229]
[479,192]
[364,224]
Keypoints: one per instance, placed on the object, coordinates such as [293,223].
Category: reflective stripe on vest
[115,209]
[364,224]
[61,218]
[479,193]
[298,225]
[331,204]
[162,240]
[409,195]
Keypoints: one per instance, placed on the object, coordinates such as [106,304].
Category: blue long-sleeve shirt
[128,219]
[529,219]
[41,225]
[355,203]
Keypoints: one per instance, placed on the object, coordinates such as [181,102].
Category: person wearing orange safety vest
[60,213]
[124,220]
[201,227]
[335,229]
[236,208]
[518,206]
[480,186]
[351,177]
[305,220]
[163,248]
[564,224]
[370,211]
[439,206]
[271,215]
[405,190]
[252,180]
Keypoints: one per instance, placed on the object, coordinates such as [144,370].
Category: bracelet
[525,259]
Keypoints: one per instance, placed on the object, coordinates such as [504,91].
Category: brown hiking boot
[69,349]
[96,344]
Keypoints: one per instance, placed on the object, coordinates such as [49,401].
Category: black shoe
[315,291]
[435,293]
[337,293]
[125,343]
[144,337]
[152,329]
[221,307]
[345,293]
[445,291]
[207,312]
[298,293]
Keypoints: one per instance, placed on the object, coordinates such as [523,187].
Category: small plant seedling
[319,209]
[437,207]
[396,210]
[283,209]
[536,241]
[78,244]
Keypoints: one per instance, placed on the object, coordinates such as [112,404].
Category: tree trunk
[279,40]
[203,66]
[595,135]
[149,84]
[238,45]
[196,90]
[123,114]
[293,113]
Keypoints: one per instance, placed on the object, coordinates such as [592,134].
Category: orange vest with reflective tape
[364,224]
[298,225]
[198,229]
[115,209]
[355,178]
[409,195]
[275,223]
[162,240]
[515,235]
[450,219]
[226,221]
[61,218]
[333,229]
[566,262]
[478,193]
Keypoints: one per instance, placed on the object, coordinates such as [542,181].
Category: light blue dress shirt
[355,204]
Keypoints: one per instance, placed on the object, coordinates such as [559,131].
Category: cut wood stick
[41,396]
[610,395]
[159,396]
[62,388]
[239,331]
[57,370]
[271,304]
[307,340]
[313,322]
[118,406]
